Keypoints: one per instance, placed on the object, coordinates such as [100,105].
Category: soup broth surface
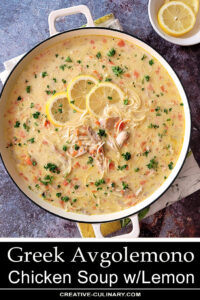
[95,164]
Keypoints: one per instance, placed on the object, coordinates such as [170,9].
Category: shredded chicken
[93,135]
[109,123]
[121,138]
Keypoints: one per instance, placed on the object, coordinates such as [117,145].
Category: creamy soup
[112,153]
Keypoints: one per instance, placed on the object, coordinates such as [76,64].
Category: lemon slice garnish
[77,90]
[194,4]
[57,109]
[176,18]
[101,95]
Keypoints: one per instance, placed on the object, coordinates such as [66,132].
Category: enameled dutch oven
[90,29]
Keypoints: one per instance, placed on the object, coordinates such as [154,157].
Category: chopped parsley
[64,148]
[65,198]
[26,127]
[126,155]
[36,115]
[147,77]
[117,70]
[153,164]
[125,101]
[17,124]
[54,79]
[111,52]
[76,187]
[124,185]
[90,160]
[170,165]
[143,57]
[79,62]
[64,81]
[153,126]
[68,59]
[62,67]
[28,89]
[44,74]
[136,170]
[58,195]
[102,132]
[76,147]
[146,153]
[122,167]
[98,55]
[109,98]
[52,168]
[99,182]
[32,105]
[19,98]
[32,140]
[108,79]
[165,110]
[48,92]
[48,179]
[151,62]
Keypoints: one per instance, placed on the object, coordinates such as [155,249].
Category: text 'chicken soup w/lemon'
[94,125]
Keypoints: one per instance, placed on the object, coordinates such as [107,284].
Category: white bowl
[190,38]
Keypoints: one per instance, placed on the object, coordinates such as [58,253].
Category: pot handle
[133,234]
[66,12]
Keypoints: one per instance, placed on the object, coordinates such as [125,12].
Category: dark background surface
[23,24]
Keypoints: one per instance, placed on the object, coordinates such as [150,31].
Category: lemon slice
[57,109]
[176,18]
[77,90]
[194,4]
[101,95]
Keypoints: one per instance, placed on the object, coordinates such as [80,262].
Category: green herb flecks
[99,182]
[52,168]
[102,132]
[126,156]
[111,52]
[98,55]
[153,164]
[44,74]
[17,124]
[117,71]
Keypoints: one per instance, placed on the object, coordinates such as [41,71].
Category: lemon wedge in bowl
[194,4]
[57,109]
[77,90]
[101,95]
[176,18]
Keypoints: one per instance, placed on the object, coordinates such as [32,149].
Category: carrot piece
[47,123]
[127,75]
[97,123]
[79,143]
[136,74]
[143,182]
[77,165]
[28,161]
[111,165]
[74,153]
[111,62]
[121,43]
